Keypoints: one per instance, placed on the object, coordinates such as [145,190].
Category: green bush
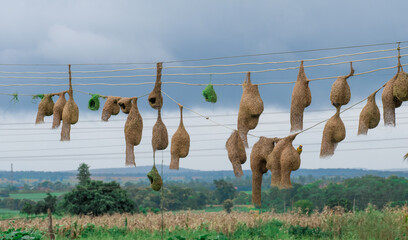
[17,234]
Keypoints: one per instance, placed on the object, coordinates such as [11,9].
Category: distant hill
[183,174]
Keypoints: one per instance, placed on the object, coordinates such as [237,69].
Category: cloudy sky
[48,35]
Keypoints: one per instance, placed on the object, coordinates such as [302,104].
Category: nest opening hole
[152,100]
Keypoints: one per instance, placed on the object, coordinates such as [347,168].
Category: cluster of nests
[278,154]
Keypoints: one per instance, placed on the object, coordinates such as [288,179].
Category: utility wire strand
[205,59]
[203,74]
[184,83]
[215,65]
[203,116]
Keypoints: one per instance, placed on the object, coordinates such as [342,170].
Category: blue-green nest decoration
[93,103]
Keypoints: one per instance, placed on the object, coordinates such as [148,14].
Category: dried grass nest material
[282,161]
[250,108]
[236,152]
[70,115]
[156,181]
[333,133]
[340,91]
[155,97]
[180,143]
[111,107]
[301,99]
[125,104]
[45,108]
[259,155]
[400,86]
[390,103]
[160,137]
[133,131]
[58,108]
[369,116]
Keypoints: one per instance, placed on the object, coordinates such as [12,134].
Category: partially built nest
[111,107]
[133,131]
[301,99]
[340,92]
[45,108]
[259,155]
[390,103]
[250,109]
[369,116]
[209,94]
[236,153]
[156,181]
[333,133]
[125,104]
[70,115]
[155,97]
[160,138]
[400,86]
[282,161]
[180,143]
[58,108]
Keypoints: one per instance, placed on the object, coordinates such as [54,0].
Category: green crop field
[33,196]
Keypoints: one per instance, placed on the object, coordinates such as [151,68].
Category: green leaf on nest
[209,94]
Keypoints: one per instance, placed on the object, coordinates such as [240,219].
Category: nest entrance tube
[156,181]
[301,99]
[133,131]
[340,92]
[259,155]
[70,112]
[111,107]
[180,143]
[45,108]
[282,161]
[250,108]
[236,153]
[155,97]
[333,133]
[58,108]
[369,116]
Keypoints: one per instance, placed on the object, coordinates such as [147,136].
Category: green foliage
[301,232]
[209,94]
[97,198]
[93,103]
[224,190]
[304,205]
[227,205]
[40,207]
[84,176]
[17,234]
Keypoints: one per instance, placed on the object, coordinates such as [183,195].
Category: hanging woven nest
[209,94]
[156,181]
[369,116]
[250,109]
[133,131]
[400,86]
[282,161]
[180,143]
[390,103]
[125,104]
[340,92]
[259,155]
[236,153]
[155,97]
[93,103]
[301,99]
[160,138]
[333,133]
[58,108]
[110,108]
[70,115]
[45,108]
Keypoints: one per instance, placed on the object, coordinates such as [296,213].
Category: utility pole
[11,175]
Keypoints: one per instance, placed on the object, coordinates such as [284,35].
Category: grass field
[34,196]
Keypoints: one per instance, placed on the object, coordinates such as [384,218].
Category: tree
[228,204]
[97,198]
[304,205]
[224,190]
[84,176]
